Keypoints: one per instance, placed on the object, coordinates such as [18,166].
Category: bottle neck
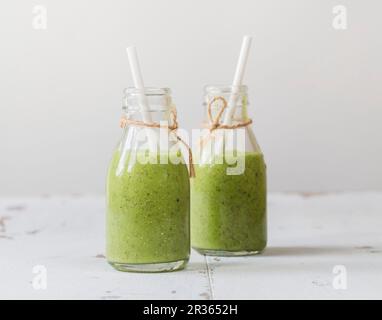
[149,120]
[221,100]
[148,105]
[225,136]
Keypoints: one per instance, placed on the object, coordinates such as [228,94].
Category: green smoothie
[148,208]
[228,212]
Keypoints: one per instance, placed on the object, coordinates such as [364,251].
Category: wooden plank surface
[308,236]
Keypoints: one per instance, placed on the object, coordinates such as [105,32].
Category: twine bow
[215,123]
[172,127]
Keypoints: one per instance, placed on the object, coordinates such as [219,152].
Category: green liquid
[148,213]
[228,212]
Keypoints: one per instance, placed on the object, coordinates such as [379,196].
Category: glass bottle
[228,194]
[148,201]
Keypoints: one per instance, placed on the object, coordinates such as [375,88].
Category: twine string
[214,123]
[172,127]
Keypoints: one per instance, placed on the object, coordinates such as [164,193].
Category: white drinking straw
[138,83]
[238,79]
[232,101]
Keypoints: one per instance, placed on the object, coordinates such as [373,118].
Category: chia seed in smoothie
[228,212]
[148,210]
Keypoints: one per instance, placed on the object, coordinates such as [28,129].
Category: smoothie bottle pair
[157,208]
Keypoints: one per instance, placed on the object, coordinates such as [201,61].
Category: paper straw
[238,79]
[144,106]
[232,101]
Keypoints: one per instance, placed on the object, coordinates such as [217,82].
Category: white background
[315,91]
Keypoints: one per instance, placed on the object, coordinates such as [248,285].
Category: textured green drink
[148,212]
[228,212]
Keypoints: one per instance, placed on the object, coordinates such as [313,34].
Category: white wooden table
[308,236]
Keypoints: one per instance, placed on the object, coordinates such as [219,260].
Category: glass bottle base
[150,267]
[224,253]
